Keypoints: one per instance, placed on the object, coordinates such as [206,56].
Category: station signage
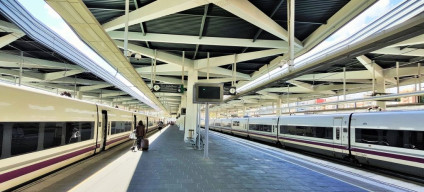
[168,88]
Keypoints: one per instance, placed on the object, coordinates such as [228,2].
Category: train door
[104,129]
[345,135]
[135,121]
[147,125]
[337,133]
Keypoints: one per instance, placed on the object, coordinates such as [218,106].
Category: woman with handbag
[141,132]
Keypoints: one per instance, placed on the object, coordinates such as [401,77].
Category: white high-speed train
[390,140]
[40,132]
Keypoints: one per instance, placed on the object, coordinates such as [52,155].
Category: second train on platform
[390,140]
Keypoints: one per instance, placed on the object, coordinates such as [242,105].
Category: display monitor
[207,93]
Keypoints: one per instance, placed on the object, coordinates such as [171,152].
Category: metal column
[290,27]
[206,152]
[127,7]
[20,68]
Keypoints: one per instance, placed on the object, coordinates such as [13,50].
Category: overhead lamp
[137,56]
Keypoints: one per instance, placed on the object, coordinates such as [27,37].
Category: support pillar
[79,95]
[127,7]
[181,120]
[290,30]
[278,112]
[381,88]
[191,113]
[244,111]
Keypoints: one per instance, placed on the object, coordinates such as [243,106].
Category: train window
[236,123]
[260,127]
[87,130]
[128,126]
[113,127]
[392,138]
[120,126]
[24,138]
[416,140]
[217,124]
[52,135]
[307,131]
[366,136]
[226,124]
[73,132]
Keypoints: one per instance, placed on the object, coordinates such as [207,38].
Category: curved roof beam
[247,11]
[229,59]
[195,40]
[152,11]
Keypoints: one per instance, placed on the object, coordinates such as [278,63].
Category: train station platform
[234,164]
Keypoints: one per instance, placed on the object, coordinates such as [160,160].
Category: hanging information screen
[207,93]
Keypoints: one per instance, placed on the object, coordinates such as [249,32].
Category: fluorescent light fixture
[400,13]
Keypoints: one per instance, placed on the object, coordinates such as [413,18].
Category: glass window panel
[87,130]
[113,128]
[24,138]
[307,131]
[366,136]
[416,140]
[120,126]
[328,133]
[72,132]
[52,135]
[260,127]
[128,126]
[391,138]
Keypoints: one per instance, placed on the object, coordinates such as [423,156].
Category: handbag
[132,136]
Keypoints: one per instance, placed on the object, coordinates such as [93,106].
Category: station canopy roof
[253,33]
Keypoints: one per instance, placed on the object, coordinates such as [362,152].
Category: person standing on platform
[141,133]
[160,125]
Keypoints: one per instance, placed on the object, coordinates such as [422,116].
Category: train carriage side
[217,125]
[212,124]
[392,140]
[239,126]
[263,128]
[202,123]
[324,134]
[40,132]
[140,117]
[152,123]
[226,125]
[119,123]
